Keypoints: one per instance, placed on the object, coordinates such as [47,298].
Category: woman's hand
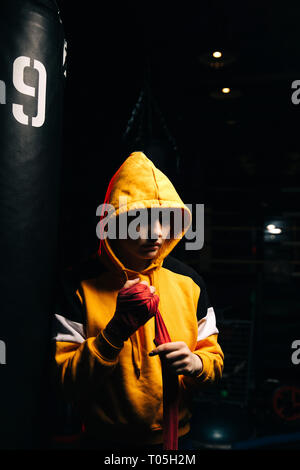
[179,358]
[136,304]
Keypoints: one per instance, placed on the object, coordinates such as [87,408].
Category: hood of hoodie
[138,184]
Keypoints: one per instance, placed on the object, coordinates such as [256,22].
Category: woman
[106,360]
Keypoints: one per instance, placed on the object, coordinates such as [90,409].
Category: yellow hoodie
[119,391]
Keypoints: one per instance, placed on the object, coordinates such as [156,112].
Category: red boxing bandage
[135,306]
[170,390]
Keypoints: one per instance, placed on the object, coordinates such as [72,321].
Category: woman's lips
[151,246]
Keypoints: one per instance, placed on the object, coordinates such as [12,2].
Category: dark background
[239,154]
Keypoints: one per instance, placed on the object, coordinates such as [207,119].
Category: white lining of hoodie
[68,330]
[207,325]
[71,331]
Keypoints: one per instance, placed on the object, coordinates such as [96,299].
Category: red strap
[170,390]
[132,298]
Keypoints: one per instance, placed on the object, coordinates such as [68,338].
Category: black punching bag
[31,101]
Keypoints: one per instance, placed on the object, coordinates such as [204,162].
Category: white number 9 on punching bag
[18,80]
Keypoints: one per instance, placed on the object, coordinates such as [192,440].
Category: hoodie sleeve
[81,363]
[207,347]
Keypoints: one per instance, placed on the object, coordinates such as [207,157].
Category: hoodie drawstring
[136,355]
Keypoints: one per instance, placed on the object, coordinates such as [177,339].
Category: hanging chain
[139,111]
[168,133]
[134,114]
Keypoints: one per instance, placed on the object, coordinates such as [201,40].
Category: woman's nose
[155,230]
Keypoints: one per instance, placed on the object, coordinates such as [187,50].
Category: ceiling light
[225,93]
[271,228]
[275,229]
[217,59]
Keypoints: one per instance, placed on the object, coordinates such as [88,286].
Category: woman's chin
[150,257]
[149,254]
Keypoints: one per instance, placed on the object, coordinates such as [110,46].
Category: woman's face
[151,233]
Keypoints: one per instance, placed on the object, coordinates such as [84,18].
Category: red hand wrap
[135,306]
